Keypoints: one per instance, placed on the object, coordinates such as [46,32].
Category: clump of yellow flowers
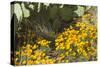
[32,54]
[78,42]
[43,42]
[74,44]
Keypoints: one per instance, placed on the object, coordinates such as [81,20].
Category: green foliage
[67,12]
[50,18]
